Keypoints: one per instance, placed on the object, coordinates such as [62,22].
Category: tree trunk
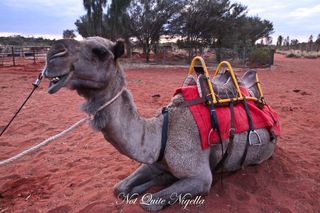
[147,49]
[218,51]
[128,46]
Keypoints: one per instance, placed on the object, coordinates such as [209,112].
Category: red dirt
[77,172]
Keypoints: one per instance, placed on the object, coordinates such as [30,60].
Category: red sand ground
[77,172]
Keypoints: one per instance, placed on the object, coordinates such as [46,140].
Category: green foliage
[279,41]
[260,56]
[254,28]
[92,23]
[199,23]
[117,20]
[68,34]
[148,19]
[291,55]
[83,26]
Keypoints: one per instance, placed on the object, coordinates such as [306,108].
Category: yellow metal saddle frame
[234,80]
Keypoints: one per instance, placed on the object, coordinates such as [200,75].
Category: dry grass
[299,54]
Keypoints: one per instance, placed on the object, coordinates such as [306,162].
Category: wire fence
[21,55]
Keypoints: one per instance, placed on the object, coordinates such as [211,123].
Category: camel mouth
[58,82]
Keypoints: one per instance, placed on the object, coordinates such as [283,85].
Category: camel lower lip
[58,82]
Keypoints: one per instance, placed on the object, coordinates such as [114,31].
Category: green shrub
[290,55]
[260,56]
[310,56]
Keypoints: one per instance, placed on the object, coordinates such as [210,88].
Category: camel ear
[100,51]
[118,49]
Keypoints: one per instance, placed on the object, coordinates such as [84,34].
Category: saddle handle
[259,86]
[233,76]
[206,73]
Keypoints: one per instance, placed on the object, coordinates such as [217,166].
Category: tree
[207,22]
[318,42]
[279,41]
[84,27]
[286,42]
[148,20]
[294,43]
[94,18]
[117,18]
[69,34]
[310,43]
[117,22]
[254,28]
[268,40]
[191,24]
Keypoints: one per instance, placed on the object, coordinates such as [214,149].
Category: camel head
[86,65]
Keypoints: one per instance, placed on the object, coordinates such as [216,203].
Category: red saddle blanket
[262,118]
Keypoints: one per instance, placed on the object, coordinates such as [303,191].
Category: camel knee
[206,184]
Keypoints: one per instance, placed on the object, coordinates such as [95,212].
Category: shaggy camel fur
[91,68]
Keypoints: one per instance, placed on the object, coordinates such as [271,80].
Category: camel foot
[152,207]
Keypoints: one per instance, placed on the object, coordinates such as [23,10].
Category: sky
[48,18]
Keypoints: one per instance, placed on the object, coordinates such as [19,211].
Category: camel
[91,67]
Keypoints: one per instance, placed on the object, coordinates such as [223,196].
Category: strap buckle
[164,110]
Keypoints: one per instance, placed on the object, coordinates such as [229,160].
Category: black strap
[215,126]
[232,127]
[231,137]
[164,135]
[251,128]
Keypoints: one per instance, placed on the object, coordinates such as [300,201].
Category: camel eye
[100,52]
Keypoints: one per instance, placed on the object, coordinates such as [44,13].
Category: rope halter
[91,116]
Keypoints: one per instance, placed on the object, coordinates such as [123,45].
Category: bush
[294,54]
[260,56]
[290,55]
[310,56]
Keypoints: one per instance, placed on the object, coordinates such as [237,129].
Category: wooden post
[13,56]
[34,55]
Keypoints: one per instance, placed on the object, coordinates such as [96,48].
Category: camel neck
[134,136]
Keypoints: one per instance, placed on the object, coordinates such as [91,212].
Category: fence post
[271,55]
[34,55]
[13,56]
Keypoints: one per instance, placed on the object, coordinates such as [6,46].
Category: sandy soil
[77,172]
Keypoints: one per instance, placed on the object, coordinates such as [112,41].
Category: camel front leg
[164,179]
[142,179]
[187,187]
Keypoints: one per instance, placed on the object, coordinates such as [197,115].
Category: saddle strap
[251,128]
[164,134]
[231,137]
[192,102]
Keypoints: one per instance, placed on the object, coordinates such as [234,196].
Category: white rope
[45,142]
[112,100]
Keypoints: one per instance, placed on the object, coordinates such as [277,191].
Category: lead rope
[45,142]
[35,86]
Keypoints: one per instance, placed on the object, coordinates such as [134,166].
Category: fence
[21,55]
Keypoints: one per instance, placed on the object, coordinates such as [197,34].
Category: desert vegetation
[194,26]
[295,49]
